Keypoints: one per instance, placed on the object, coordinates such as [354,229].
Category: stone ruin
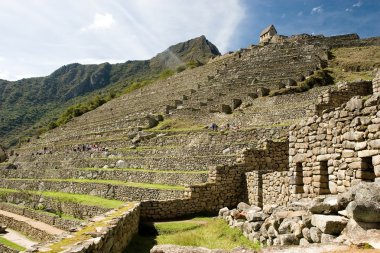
[286,176]
[328,187]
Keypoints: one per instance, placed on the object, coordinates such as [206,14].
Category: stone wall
[110,233]
[119,192]
[5,249]
[227,184]
[137,176]
[51,219]
[268,183]
[334,151]
[31,201]
[333,98]
[25,228]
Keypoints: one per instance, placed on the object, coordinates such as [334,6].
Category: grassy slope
[201,232]
[353,63]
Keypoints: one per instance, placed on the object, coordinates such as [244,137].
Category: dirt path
[34,223]
[18,238]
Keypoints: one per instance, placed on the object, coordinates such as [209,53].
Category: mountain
[28,104]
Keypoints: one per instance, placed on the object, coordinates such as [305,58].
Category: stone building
[336,150]
[267,34]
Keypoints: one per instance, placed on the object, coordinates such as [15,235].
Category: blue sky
[38,36]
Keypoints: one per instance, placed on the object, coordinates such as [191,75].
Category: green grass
[69,197]
[148,171]
[111,182]
[353,63]
[205,232]
[11,245]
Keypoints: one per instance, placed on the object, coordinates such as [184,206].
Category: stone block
[367,153]
[348,153]
[374,144]
[226,109]
[315,234]
[329,224]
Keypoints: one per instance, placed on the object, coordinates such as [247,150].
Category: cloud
[317,10]
[358,4]
[101,22]
[115,31]
[348,9]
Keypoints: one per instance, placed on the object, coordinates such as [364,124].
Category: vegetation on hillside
[29,105]
[318,78]
[353,63]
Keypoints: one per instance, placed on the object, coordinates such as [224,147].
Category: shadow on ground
[144,241]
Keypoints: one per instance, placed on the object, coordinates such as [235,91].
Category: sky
[39,36]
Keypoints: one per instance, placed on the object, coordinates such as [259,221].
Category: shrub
[194,64]
[181,68]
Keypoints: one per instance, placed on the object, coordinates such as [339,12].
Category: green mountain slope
[28,104]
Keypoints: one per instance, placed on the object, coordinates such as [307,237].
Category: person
[214,127]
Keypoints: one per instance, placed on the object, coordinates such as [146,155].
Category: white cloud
[358,4]
[40,37]
[348,9]
[101,22]
[317,10]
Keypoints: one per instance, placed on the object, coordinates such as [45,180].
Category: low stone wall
[344,92]
[51,219]
[170,178]
[110,233]
[25,228]
[227,184]
[5,249]
[119,192]
[33,201]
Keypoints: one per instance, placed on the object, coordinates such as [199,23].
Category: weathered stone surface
[255,216]
[363,232]
[364,211]
[3,155]
[315,234]
[243,206]
[288,239]
[327,238]
[226,109]
[223,211]
[329,224]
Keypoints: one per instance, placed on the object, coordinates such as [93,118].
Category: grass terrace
[70,197]
[111,182]
[10,244]
[148,171]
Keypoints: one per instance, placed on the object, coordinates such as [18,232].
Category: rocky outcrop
[349,218]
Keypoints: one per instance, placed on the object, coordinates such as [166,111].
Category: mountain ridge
[24,102]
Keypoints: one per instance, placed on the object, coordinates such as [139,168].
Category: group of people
[44,151]
[227,127]
[89,147]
